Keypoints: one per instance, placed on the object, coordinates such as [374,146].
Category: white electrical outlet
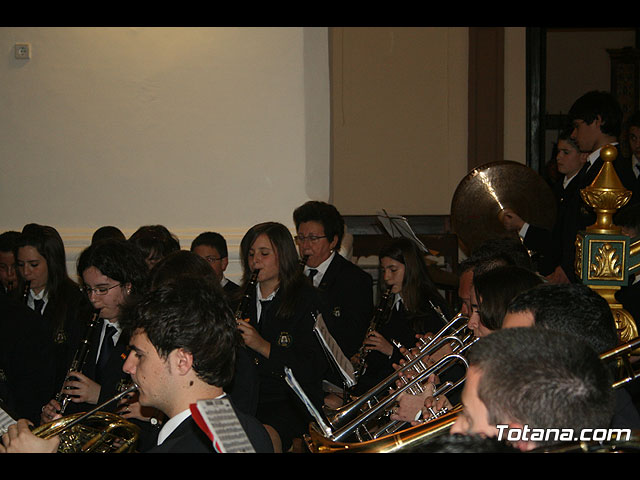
[23,51]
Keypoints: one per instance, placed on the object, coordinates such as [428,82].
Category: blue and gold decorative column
[605,257]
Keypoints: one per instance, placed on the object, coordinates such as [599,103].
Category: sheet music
[335,352]
[295,386]
[5,421]
[223,426]
[398,226]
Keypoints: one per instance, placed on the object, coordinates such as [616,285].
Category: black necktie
[37,306]
[312,273]
[264,307]
[105,351]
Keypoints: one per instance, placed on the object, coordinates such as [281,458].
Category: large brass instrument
[362,418]
[95,431]
[79,360]
[622,355]
[409,437]
[379,316]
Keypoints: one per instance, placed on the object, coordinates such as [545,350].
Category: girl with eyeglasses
[111,272]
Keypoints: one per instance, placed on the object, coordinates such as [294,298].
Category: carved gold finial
[606,194]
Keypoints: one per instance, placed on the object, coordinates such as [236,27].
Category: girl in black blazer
[279,330]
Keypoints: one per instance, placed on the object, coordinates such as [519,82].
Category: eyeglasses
[311,238]
[99,290]
[211,259]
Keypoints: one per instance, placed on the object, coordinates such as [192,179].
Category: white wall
[194,128]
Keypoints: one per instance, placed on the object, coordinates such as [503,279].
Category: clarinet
[242,312]
[79,360]
[379,316]
[25,291]
[303,261]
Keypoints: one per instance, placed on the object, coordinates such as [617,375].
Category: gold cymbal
[487,190]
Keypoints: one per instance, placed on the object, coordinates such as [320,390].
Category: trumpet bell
[101,432]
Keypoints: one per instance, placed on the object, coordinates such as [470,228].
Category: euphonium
[94,431]
[379,316]
[79,360]
[242,312]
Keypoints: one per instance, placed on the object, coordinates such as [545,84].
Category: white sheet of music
[295,386]
[334,350]
[5,421]
[222,421]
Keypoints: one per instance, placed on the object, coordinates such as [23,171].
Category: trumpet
[242,312]
[79,360]
[379,316]
[354,417]
[93,431]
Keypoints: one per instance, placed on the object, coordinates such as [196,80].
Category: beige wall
[194,128]
[399,113]
[221,128]
[515,94]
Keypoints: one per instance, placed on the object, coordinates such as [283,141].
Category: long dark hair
[289,272]
[48,242]
[417,286]
[497,287]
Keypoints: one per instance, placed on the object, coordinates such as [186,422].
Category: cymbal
[490,188]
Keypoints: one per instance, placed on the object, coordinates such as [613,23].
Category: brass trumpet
[94,431]
[352,418]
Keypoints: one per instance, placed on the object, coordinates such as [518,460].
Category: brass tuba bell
[95,431]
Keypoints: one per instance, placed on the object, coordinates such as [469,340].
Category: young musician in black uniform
[182,346]
[243,388]
[111,271]
[41,261]
[280,329]
[213,248]
[346,291]
[417,308]
[556,247]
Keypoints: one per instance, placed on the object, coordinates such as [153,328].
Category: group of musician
[147,313]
